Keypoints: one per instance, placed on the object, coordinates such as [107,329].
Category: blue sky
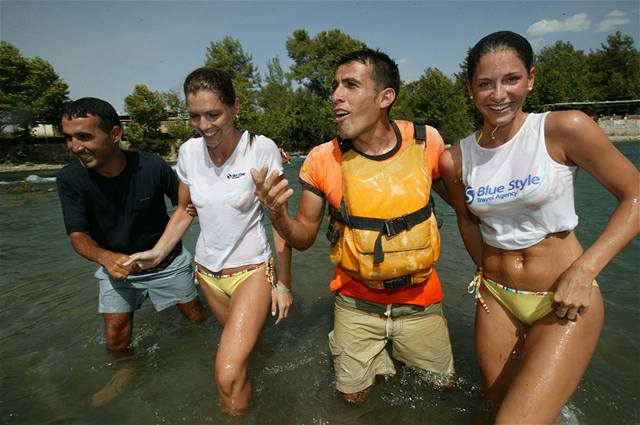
[105,48]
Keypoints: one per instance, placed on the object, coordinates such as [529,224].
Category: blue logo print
[469,195]
[490,193]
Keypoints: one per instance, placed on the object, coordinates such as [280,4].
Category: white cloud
[403,60]
[538,43]
[575,23]
[614,19]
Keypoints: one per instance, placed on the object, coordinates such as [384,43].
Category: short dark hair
[211,79]
[498,41]
[384,70]
[93,106]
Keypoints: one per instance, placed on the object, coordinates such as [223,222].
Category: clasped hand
[144,260]
[119,267]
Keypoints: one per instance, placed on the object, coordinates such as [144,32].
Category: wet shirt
[126,213]
[232,232]
[517,191]
[321,174]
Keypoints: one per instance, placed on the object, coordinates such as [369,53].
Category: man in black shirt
[113,205]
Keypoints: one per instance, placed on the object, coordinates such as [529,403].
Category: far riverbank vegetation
[293,106]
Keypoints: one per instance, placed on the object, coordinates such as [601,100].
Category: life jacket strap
[388,227]
[420,131]
[395,283]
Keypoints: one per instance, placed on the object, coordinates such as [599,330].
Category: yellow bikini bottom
[527,306]
[227,283]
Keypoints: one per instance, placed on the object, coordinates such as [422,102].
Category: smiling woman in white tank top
[539,310]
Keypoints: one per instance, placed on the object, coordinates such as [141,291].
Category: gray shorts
[170,286]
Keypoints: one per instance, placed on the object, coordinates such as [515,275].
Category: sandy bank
[11,167]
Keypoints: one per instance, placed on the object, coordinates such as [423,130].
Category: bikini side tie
[474,289]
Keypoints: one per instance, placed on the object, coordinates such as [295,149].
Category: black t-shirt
[126,213]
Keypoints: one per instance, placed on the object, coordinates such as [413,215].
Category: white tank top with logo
[517,191]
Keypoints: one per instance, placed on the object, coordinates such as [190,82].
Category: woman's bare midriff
[535,268]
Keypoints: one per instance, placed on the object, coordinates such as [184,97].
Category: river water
[53,357]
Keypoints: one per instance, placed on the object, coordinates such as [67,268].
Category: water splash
[32,178]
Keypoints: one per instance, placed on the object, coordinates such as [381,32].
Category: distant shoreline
[10,167]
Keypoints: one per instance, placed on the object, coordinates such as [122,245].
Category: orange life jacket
[385,233]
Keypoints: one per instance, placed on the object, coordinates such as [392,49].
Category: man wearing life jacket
[376,177]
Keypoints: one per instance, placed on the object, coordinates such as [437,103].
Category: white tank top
[517,191]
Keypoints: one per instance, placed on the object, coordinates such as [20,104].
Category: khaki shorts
[419,338]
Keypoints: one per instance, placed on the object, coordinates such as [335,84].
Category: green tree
[30,90]
[307,108]
[229,55]
[295,119]
[46,91]
[562,76]
[13,68]
[315,123]
[174,104]
[178,128]
[146,109]
[460,81]
[315,58]
[615,68]
[277,118]
[436,99]
[180,131]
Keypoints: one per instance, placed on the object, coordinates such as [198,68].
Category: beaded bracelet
[281,287]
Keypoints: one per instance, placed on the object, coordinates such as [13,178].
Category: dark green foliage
[615,69]
[178,128]
[147,109]
[314,58]
[436,99]
[563,76]
[295,119]
[230,56]
[30,90]
[293,108]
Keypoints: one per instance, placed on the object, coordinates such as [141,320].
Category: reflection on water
[53,356]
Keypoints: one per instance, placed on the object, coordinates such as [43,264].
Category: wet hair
[496,42]
[108,117]
[211,79]
[384,71]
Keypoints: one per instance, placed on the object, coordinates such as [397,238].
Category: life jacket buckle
[333,235]
[395,226]
[395,283]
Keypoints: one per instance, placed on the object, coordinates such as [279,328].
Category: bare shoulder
[570,135]
[567,123]
[434,136]
[450,163]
